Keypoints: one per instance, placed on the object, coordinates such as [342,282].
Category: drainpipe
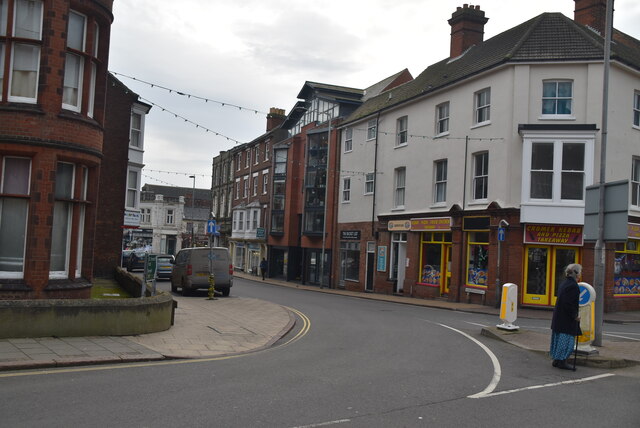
[375,180]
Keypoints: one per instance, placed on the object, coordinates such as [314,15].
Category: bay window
[74,63]
[62,220]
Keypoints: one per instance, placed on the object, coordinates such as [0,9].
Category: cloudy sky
[254,54]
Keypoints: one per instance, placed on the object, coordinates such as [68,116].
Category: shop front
[476,232]
[548,250]
[626,278]
[435,252]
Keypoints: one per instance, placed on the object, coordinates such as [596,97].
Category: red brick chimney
[467,28]
[275,118]
[592,13]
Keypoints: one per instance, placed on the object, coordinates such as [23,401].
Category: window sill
[399,146]
[397,209]
[478,202]
[635,127]
[481,124]
[556,117]
[23,107]
[346,202]
[72,115]
[438,205]
[441,135]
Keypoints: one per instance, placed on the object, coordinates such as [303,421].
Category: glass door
[536,276]
[562,258]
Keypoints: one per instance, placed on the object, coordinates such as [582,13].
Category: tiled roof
[174,192]
[547,37]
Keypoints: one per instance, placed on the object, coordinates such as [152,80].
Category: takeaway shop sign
[553,234]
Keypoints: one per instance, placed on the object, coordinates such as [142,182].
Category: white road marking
[324,424]
[497,371]
[547,385]
[622,337]
[475,323]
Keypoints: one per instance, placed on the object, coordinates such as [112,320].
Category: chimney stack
[275,118]
[592,13]
[467,28]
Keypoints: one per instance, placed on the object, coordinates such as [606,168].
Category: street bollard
[212,287]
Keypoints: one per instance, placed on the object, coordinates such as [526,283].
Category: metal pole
[193,197]
[599,252]
[324,219]
[501,224]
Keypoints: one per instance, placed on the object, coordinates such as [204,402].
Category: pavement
[238,325]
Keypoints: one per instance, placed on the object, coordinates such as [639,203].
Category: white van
[191,269]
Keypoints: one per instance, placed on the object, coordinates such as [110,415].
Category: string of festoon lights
[188,95]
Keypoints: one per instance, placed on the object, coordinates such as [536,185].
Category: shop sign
[399,225]
[435,224]
[353,235]
[131,219]
[382,258]
[634,230]
[553,234]
[475,223]
[261,233]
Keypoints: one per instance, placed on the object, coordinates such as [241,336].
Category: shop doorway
[371,265]
[544,271]
[435,257]
[398,260]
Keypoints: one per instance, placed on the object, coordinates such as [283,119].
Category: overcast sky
[257,54]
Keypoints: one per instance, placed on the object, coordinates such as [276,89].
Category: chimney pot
[592,13]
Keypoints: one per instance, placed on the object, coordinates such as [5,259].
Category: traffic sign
[501,234]
[587,294]
[211,227]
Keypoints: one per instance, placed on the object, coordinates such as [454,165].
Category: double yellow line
[306,326]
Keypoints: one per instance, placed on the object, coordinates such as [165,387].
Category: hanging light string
[160,181]
[185,94]
[197,125]
[178,173]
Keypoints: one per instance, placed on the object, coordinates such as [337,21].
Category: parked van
[191,269]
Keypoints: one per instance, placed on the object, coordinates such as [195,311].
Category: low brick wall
[85,317]
[131,283]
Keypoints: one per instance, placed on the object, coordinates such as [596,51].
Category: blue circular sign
[587,294]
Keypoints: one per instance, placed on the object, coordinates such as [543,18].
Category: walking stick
[575,351]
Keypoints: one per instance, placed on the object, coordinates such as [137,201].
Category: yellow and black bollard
[212,287]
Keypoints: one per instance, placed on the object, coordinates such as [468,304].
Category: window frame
[402,131]
[169,217]
[265,182]
[348,140]
[556,99]
[482,112]
[372,129]
[346,190]
[440,181]
[133,189]
[399,187]
[369,183]
[480,176]
[442,120]
[635,182]
[636,109]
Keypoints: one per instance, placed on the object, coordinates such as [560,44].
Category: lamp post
[193,198]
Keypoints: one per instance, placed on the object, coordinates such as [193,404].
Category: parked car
[125,258]
[136,261]
[164,266]
[191,270]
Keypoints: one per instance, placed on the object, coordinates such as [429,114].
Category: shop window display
[432,257]
[627,270]
[477,258]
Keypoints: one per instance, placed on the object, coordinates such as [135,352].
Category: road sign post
[586,312]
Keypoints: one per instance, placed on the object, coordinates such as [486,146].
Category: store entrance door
[544,271]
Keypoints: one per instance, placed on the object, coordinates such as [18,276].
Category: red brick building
[53,68]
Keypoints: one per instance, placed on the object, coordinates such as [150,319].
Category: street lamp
[193,198]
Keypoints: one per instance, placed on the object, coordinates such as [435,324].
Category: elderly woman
[565,324]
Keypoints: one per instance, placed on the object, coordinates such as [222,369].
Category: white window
[25,58]
[557,97]
[237,188]
[401,131]
[76,31]
[132,189]
[399,187]
[238,161]
[635,182]
[483,106]
[14,210]
[346,189]
[245,194]
[636,108]
[62,215]
[240,220]
[480,176]
[557,169]
[442,119]
[440,180]
[146,215]
[256,154]
[74,64]
[371,129]
[265,183]
[266,151]
[169,216]
[247,159]
[348,140]
[369,183]
[255,217]
[92,90]
[135,139]
[248,220]
[255,184]
[84,172]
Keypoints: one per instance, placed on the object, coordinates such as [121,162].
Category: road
[356,363]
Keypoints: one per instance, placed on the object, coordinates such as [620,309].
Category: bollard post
[212,287]
[509,307]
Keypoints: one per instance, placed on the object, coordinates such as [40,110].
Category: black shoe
[555,363]
[562,364]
